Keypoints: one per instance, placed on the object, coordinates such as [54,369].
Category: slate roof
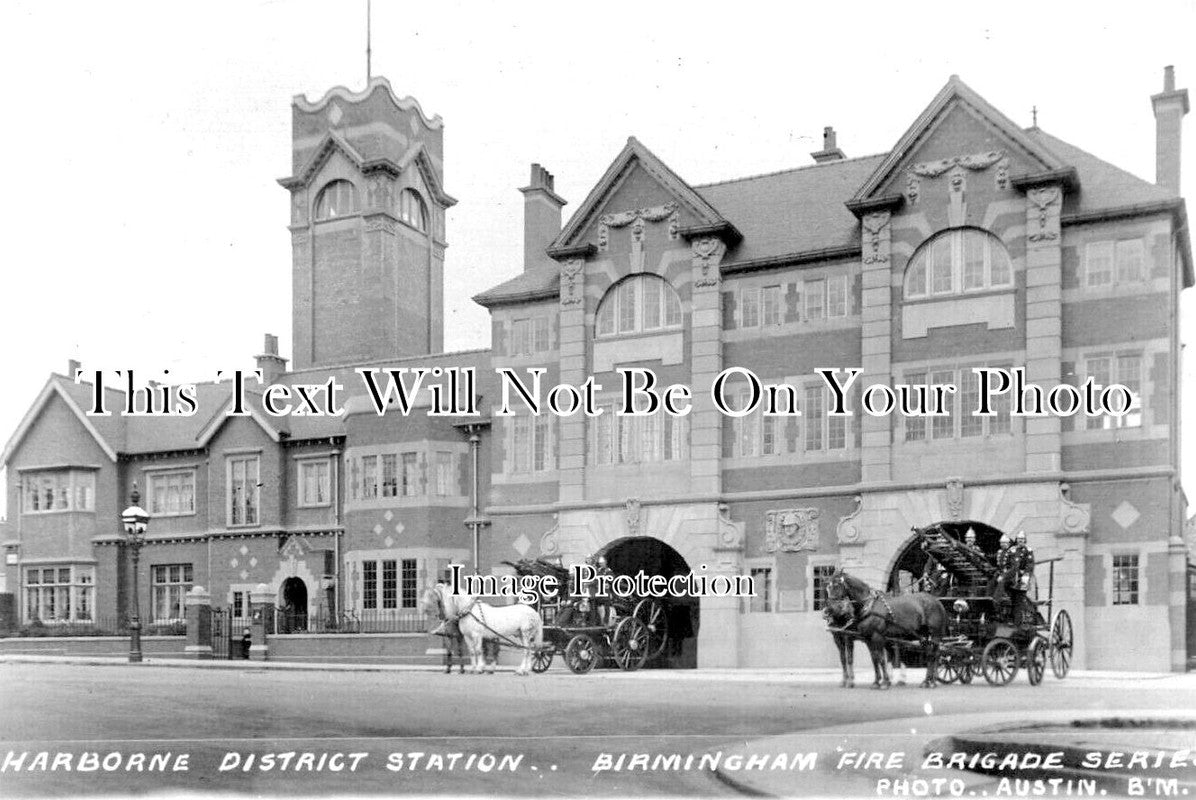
[1102,185]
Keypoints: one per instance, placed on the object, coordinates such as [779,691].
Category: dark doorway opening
[631,555]
[911,560]
[293,616]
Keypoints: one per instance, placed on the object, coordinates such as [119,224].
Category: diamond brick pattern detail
[377,530]
[399,528]
[244,574]
[244,549]
[389,540]
[233,562]
[253,561]
[388,516]
[1125,514]
[521,545]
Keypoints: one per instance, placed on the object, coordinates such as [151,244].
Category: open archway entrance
[911,561]
[293,617]
[631,555]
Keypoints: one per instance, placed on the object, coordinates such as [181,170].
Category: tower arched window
[337,199]
[641,303]
[958,261]
[413,210]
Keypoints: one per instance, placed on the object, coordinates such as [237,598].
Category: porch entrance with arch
[632,554]
[292,614]
[911,561]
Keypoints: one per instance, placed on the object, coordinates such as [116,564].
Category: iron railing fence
[390,620]
[99,625]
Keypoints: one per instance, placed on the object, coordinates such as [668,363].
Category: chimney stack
[541,218]
[830,151]
[1170,106]
[269,362]
[72,367]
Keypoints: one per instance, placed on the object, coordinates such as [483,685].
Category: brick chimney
[269,362]
[1170,106]
[541,218]
[72,367]
[830,151]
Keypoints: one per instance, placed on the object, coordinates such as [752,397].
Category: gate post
[261,622]
[198,603]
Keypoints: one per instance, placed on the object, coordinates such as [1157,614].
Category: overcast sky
[144,227]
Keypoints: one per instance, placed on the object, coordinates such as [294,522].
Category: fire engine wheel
[948,669]
[653,614]
[999,662]
[1061,643]
[1036,659]
[629,644]
[542,659]
[581,654]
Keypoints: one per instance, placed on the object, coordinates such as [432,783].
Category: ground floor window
[171,584]
[761,600]
[1125,580]
[59,594]
[389,583]
[821,574]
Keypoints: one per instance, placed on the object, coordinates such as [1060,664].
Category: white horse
[478,621]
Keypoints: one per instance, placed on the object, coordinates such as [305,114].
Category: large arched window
[636,304]
[958,261]
[413,210]
[337,199]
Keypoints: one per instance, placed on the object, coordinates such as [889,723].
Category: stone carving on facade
[976,162]
[957,180]
[1074,518]
[913,185]
[848,529]
[791,529]
[638,216]
[380,226]
[706,252]
[876,250]
[550,544]
[674,226]
[1044,199]
[571,282]
[955,498]
[730,533]
[1002,176]
[631,515]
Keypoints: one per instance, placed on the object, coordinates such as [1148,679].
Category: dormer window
[957,262]
[337,199]
[641,303]
[413,210]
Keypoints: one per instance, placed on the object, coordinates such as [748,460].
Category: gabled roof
[418,153]
[955,91]
[634,153]
[56,387]
[331,143]
[224,414]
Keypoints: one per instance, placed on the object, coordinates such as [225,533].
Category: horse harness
[470,611]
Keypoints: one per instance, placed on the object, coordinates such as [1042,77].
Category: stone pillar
[261,623]
[705,421]
[1177,601]
[571,464]
[198,603]
[718,631]
[1044,319]
[876,342]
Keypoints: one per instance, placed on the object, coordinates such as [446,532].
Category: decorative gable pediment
[638,187]
[959,135]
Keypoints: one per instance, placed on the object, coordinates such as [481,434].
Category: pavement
[1178,680]
[910,756]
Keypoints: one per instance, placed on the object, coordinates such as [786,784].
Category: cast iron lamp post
[136,520]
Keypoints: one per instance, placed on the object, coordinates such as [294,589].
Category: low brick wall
[356,648]
[160,646]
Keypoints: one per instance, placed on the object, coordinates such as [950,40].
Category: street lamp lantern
[136,522]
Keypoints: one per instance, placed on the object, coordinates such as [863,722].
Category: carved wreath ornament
[791,530]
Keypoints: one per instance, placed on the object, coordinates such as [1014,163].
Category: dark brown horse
[883,620]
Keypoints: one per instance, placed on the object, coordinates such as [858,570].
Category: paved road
[560,724]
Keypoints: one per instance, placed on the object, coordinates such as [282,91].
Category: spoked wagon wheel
[1036,658]
[1061,643]
[629,643]
[947,670]
[651,612]
[999,662]
[581,654]
[967,671]
[542,659]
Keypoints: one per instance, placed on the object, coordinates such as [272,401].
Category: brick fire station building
[972,242]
